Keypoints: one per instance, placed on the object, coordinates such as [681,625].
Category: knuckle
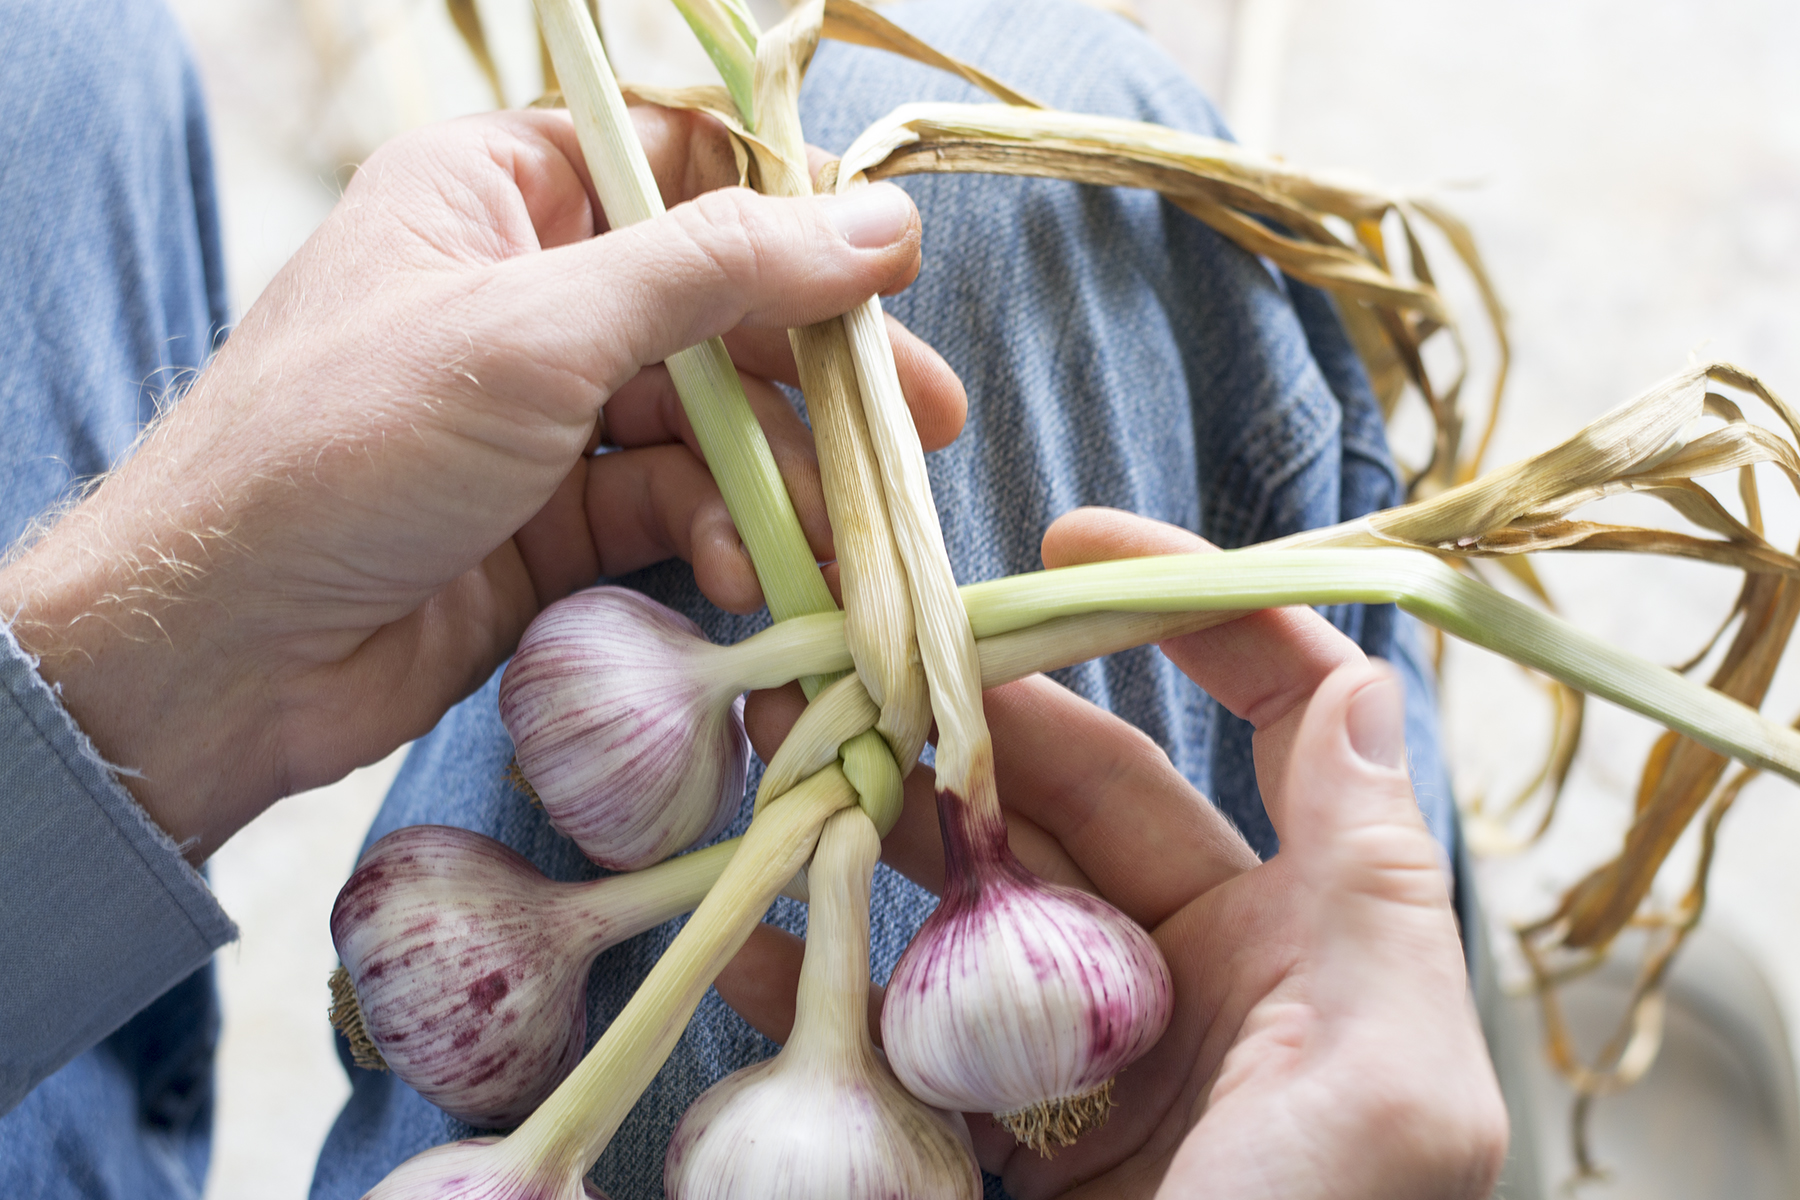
[723,228]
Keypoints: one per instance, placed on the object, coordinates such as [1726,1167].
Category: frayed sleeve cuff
[99,912]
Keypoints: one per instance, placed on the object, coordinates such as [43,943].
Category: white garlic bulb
[824,1119]
[1019,997]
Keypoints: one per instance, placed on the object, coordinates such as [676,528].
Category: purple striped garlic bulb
[628,724]
[825,1119]
[1019,997]
[470,967]
[480,1169]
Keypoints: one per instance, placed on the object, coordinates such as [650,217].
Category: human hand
[352,516]
[1322,1043]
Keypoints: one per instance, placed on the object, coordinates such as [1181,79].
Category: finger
[689,152]
[935,395]
[478,190]
[1389,973]
[1261,667]
[604,308]
[648,411]
[557,545]
[1385,920]
[660,502]
[1107,794]
[537,148]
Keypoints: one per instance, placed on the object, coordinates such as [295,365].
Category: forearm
[116,611]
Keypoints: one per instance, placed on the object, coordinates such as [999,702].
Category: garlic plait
[824,1119]
[1019,997]
[466,970]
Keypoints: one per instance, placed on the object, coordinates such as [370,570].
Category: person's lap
[1115,352]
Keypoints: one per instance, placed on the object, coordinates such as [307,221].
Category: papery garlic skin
[478,1169]
[624,728]
[471,976]
[469,969]
[1019,995]
[824,1119]
[769,1132]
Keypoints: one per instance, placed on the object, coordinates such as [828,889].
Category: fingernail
[1377,724]
[870,217]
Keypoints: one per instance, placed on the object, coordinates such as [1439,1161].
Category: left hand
[1323,1042]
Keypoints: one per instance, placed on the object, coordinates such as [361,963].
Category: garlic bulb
[1019,997]
[479,1169]
[470,968]
[824,1119]
[624,727]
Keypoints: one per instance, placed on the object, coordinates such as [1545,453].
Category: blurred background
[1632,173]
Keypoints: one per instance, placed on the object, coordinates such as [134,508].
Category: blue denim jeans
[1115,352]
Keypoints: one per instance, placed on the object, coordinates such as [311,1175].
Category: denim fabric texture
[111,291]
[1115,352]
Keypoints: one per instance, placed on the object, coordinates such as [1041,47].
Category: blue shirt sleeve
[99,912]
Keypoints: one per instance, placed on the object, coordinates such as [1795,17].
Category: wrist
[141,658]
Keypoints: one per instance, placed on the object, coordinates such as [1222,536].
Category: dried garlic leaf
[468,24]
[860,25]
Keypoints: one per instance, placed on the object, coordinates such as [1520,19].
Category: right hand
[1323,1044]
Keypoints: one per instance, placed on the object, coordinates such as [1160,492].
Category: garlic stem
[731,440]
[879,624]
[790,649]
[573,1126]
[1101,601]
[825,1119]
[831,1016]
[946,643]
[1421,584]
[1064,641]
[726,30]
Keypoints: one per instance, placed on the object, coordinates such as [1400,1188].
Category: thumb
[614,303]
[1383,917]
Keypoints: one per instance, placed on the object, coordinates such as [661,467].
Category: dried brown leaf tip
[1666,445]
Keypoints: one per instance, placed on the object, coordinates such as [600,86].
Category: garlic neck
[623,906]
[975,845]
[831,1019]
[801,646]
